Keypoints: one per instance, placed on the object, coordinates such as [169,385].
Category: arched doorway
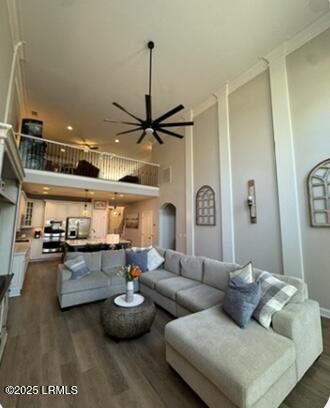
[167,230]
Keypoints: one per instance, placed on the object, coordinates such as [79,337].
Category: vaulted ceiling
[81,55]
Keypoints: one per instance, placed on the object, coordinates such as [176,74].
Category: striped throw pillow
[275,294]
[78,267]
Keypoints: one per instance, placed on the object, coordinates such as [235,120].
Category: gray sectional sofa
[101,283]
[227,366]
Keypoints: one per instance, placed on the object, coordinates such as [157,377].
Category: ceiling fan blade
[156,136]
[169,113]
[126,111]
[129,131]
[168,132]
[122,123]
[141,137]
[175,124]
[93,147]
[148,108]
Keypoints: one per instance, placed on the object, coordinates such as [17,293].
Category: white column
[286,168]
[190,207]
[226,191]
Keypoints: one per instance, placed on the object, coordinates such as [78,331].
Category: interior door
[147,228]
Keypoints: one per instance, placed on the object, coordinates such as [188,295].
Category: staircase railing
[49,155]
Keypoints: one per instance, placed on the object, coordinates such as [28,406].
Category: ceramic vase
[129,291]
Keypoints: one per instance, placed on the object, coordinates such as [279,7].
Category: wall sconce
[251,201]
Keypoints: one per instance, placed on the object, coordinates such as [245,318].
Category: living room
[213,214]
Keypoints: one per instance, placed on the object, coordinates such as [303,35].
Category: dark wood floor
[49,347]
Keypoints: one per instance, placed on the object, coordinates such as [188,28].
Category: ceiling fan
[88,145]
[150,126]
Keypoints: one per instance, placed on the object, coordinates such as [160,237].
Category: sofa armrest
[301,322]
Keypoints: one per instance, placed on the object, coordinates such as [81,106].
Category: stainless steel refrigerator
[77,228]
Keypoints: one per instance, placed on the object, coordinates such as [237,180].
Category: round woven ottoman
[127,322]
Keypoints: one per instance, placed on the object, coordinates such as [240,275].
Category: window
[319,194]
[205,206]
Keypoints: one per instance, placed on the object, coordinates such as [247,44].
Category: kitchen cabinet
[36,249]
[20,264]
[99,225]
[34,214]
[11,178]
[61,210]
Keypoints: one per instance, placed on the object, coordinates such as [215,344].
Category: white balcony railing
[48,155]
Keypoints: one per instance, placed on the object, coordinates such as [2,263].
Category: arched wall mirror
[205,207]
[318,184]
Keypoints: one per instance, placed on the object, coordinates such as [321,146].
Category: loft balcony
[47,161]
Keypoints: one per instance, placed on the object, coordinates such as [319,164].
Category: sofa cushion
[172,261]
[245,273]
[243,364]
[112,258]
[155,260]
[92,259]
[138,258]
[94,280]
[199,297]
[150,278]
[275,294]
[115,280]
[216,273]
[161,251]
[77,267]
[302,291]
[241,299]
[171,286]
[192,267]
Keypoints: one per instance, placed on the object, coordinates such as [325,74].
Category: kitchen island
[93,245]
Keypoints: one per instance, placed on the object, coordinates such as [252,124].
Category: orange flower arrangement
[135,271]
[129,272]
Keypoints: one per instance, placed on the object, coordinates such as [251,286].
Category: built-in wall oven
[53,237]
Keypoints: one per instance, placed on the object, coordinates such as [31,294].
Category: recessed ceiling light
[91,192]
[121,195]
[46,188]
[69,127]
[116,140]
[45,192]
[113,198]
[63,150]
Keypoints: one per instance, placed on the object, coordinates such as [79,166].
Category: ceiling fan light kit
[150,126]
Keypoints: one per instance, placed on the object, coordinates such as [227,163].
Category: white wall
[6,54]
[252,155]
[206,171]
[135,234]
[309,87]
[167,227]
[172,154]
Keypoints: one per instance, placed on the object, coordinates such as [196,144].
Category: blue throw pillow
[77,267]
[241,299]
[138,258]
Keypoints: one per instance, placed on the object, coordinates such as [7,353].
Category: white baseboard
[325,312]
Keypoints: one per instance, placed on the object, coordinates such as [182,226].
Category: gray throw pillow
[241,299]
[78,267]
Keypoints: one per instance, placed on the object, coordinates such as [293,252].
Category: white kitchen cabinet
[61,210]
[34,214]
[22,210]
[36,249]
[20,264]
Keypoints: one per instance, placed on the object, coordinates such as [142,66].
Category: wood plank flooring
[49,347]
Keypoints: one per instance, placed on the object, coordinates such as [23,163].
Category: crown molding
[210,101]
[284,49]
[16,36]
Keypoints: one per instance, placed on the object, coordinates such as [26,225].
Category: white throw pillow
[245,273]
[154,259]
[275,294]
[136,249]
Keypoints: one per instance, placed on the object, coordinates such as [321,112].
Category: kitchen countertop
[21,248]
[81,242]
